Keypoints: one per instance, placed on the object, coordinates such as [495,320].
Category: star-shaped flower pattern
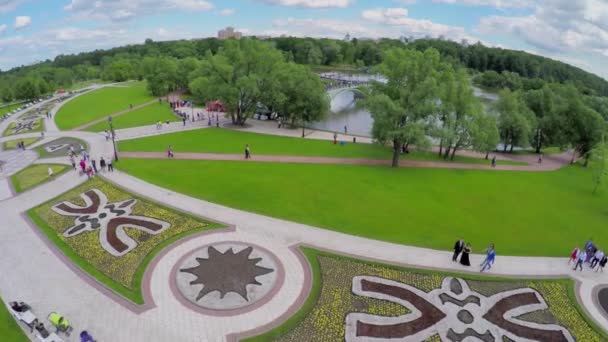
[226,272]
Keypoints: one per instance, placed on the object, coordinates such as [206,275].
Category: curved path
[545,166]
[35,271]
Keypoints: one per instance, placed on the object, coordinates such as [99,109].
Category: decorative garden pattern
[364,301]
[61,147]
[111,229]
[227,276]
[26,124]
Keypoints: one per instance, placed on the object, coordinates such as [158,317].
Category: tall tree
[301,96]
[239,75]
[515,120]
[486,137]
[401,106]
[160,74]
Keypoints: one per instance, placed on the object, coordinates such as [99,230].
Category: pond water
[344,112]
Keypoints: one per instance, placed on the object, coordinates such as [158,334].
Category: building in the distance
[229,32]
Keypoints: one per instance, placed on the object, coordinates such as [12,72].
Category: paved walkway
[546,166]
[36,272]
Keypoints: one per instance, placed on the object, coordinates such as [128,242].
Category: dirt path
[105,118]
[554,163]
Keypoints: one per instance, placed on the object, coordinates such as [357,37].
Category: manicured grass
[83,84]
[219,140]
[99,104]
[524,213]
[12,144]
[312,256]
[145,116]
[7,108]
[9,328]
[35,175]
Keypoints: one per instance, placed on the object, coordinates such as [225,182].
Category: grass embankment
[99,104]
[8,108]
[145,116]
[227,141]
[524,213]
[9,328]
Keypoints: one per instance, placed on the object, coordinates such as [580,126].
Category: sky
[573,31]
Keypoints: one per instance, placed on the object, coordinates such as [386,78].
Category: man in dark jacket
[458,247]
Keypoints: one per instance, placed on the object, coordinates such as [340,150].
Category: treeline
[500,68]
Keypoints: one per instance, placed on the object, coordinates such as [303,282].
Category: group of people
[87,165]
[464,250]
[591,255]
[21,145]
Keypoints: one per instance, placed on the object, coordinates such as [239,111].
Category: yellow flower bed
[87,245]
[326,320]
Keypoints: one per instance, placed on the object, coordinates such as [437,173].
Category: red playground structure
[215,106]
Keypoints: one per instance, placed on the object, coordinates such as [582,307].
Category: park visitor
[602,264]
[102,164]
[540,158]
[574,255]
[582,256]
[170,152]
[458,247]
[599,255]
[464,259]
[247,152]
[494,161]
[110,166]
[489,260]
[50,171]
[94,163]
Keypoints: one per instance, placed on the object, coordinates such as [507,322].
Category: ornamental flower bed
[111,229]
[343,306]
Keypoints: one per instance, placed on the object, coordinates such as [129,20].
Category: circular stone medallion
[227,276]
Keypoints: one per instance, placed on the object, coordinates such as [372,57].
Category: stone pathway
[35,271]
[546,166]
[15,160]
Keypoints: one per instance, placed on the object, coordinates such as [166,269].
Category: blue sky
[574,31]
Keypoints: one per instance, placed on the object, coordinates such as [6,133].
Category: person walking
[345,129]
[582,256]
[83,165]
[94,164]
[464,259]
[50,171]
[184,120]
[247,152]
[494,161]
[602,264]
[102,164]
[599,255]
[458,247]
[489,260]
[335,138]
[110,165]
[107,135]
[540,158]
[73,161]
[170,152]
[574,255]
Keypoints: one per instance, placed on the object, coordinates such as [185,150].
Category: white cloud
[22,21]
[310,3]
[117,10]
[326,28]
[226,12]
[398,18]
[492,3]
[405,2]
[2,28]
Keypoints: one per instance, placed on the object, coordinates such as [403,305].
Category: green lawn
[12,144]
[83,84]
[35,175]
[524,213]
[7,108]
[227,141]
[99,104]
[148,115]
[9,329]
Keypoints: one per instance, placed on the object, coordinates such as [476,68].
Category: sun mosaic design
[360,301]
[111,229]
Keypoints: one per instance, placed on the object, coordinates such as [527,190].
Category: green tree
[185,67]
[402,105]
[239,75]
[27,89]
[486,138]
[301,96]
[515,120]
[599,165]
[160,74]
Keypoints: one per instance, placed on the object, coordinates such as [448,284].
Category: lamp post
[113,137]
